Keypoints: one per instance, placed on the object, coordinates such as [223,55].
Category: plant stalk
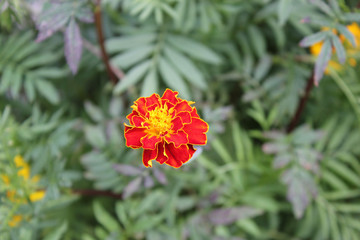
[100,36]
[301,105]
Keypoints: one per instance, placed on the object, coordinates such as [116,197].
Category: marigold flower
[166,127]
[15,220]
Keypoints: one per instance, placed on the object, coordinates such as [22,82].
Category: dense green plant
[282,159]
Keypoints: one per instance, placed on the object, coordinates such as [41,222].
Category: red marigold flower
[166,127]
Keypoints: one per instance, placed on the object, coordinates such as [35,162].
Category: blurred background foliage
[282,160]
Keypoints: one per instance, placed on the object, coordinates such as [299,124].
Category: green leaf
[322,61]
[132,56]
[29,89]
[339,48]
[95,136]
[6,78]
[94,112]
[194,49]
[132,77]
[284,11]
[47,90]
[257,40]
[104,218]
[186,67]
[343,171]
[172,78]
[348,35]
[114,45]
[313,38]
[150,84]
[58,232]
[351,17]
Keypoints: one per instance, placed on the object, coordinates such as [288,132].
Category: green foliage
[65,170]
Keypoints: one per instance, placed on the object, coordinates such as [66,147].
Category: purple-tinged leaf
[51,20]
[85,15]
[73,45]
[148,182]
[127,170]
[273,134]
[322,61]
[281,161]
[160,176]
[301,187]
[313,39]
[132,187]
[271,148]
[225,216]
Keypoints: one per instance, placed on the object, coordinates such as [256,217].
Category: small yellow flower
[5,179]
[16,219]
[37,195]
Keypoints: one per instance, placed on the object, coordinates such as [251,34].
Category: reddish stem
[100,35]
[302,103]
[92,192]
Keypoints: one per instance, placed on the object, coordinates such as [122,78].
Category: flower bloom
[23,175]
[166,127]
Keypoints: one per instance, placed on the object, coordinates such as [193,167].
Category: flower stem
[302,103]
[100,36]
[92,192]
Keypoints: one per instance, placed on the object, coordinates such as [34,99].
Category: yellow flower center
[159,121]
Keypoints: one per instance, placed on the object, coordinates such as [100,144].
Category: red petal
[140,106]
[161,157]
[196,131]
[192,150]
[170,95]
[149,155]
[177,156]
[137,121]
[177,124]
[149,142]
[183,106]
[133,136]
[185,117]
[153,99]
[178,138]
[194,113]
[132,114]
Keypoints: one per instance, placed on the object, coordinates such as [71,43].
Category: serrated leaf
[132,77]
[186,67]
[322,61]
[172,78]
[73,45]
[194,49]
